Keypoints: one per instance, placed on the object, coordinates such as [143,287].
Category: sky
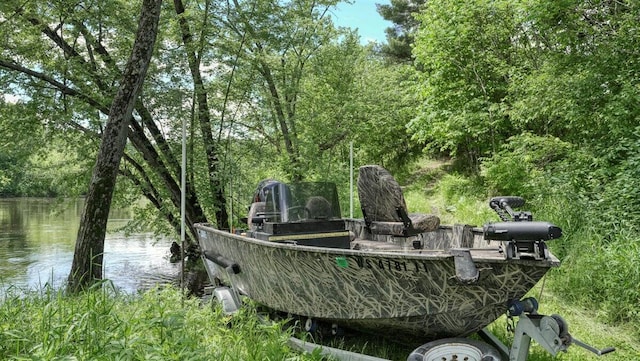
[362,14]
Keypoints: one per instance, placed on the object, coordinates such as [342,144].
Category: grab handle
[222,261]
[593,349]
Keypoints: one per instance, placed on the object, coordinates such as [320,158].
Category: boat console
[306,213]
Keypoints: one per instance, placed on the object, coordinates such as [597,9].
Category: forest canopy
[269,89]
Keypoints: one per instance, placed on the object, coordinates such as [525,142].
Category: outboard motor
[258,209]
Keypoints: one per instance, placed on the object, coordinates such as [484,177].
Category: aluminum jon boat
[391,273]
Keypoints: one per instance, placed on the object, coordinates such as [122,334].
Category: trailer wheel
[336,330]
[458,349]
[310,325]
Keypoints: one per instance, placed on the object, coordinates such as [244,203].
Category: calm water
[37,239]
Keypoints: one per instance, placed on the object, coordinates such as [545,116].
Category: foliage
[542,98]
[613,187]
[55,174]
[352,96]
[578,81]
[465,51]
[522,165]
[19,136]
[32,160]
[284,106]
[497,69]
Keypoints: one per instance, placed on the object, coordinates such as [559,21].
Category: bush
[523,165]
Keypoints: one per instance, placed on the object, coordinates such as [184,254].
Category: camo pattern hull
[398,294]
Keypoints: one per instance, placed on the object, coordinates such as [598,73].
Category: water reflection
[37,238]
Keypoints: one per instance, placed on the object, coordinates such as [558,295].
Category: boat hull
[392,293]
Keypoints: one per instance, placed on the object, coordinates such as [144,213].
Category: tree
[279,41]
[269,88]
[579,79]
[211,145]
[352,95]
[66,61]
[466,52]
[400,37]
[19,138]
[87,259]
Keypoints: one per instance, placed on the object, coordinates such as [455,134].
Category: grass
[102,324]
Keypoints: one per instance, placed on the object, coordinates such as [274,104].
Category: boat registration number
[390,264]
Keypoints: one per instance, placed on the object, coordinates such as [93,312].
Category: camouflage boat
[392,273]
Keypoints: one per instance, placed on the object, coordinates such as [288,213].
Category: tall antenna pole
[231,197]
[183,193]
[351,179]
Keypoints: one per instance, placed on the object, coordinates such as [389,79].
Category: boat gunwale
[418,254]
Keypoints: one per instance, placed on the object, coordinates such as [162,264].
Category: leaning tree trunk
[86,268]
[210,144]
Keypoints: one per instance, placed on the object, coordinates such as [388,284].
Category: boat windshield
[305,201]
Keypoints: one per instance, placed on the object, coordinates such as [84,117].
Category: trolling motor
[522,236]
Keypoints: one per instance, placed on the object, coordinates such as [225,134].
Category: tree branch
[56,84]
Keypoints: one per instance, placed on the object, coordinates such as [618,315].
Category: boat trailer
[550,332]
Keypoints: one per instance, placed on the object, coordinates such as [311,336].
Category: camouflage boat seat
[384,208]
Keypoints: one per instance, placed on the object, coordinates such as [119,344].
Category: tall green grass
[102,324]
[454,199]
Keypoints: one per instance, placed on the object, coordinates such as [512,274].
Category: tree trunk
[86,268]
[210,144]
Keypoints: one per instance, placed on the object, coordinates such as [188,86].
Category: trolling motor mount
[504,207]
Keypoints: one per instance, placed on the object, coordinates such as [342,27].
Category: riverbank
[104,324]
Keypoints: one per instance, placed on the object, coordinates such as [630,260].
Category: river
[37,239]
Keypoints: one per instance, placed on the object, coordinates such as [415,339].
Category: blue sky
[362,15]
